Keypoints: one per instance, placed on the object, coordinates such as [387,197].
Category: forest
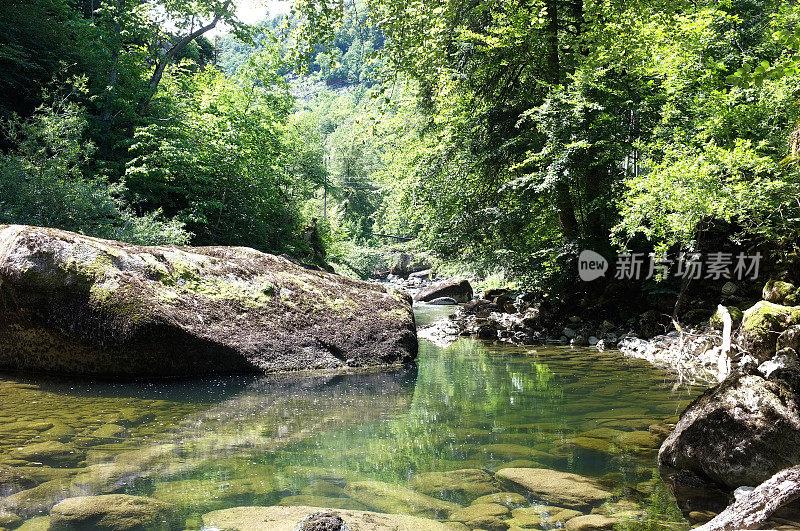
[501,137]
[421,265]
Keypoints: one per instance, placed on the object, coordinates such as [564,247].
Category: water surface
[301,439]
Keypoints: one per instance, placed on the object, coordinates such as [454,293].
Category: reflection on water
[337,440]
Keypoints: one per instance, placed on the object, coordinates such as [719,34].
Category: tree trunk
[751,511]
[170,54]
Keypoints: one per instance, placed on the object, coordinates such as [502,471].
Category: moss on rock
[100,307]
[761,326]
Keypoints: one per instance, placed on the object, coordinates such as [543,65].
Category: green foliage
[225,159]
[44,181]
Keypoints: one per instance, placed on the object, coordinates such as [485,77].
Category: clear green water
[207,445]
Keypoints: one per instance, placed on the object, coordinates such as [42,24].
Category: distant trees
[529,111]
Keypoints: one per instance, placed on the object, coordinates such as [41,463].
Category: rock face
[80,305]
[288,518]
[557,488]
[457,289]
[740,432]
[113,512]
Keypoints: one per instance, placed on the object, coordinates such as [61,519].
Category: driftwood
[751,511]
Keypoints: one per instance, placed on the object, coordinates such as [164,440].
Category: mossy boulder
[113,512]
[509,499]
[482,515]
[781,292]
[80,305]
[209,494]
[761,326]
[736,314]
[288,518]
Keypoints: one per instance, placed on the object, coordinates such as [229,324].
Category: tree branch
[751,511]
[170,54]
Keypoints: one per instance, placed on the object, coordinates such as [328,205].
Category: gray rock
[783,359]
[740,432]
[579,341]
[443,301]
[593,340]
[789,338]
[106,308]
[456,288]
[569,333]
[423,275]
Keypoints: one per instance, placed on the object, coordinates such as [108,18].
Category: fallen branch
[751,511]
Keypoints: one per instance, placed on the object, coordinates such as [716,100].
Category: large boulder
[404,264]
[761,326]
[80,305]
[740,432]
[113,512]
[288,518]
[457,289]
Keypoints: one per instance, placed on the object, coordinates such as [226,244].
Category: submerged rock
[557,488]
[456,485]
[457,289]
[288,518]
[527,517]
[52,453]
[390,498]
[82,305]
[113,512]
[590,522]
[740,432]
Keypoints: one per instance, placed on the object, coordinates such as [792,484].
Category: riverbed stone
[9,519]
[389,498]
[556,488]
[590,522]
[458,289]
[322,501]
[107,433]
[479,510]
[512,451]
[105,308]
[52,453]
[592,444]
[549,515]
[509,499]
[38,523]
[461,486]
[113,512]
[207,494]
[288,518]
